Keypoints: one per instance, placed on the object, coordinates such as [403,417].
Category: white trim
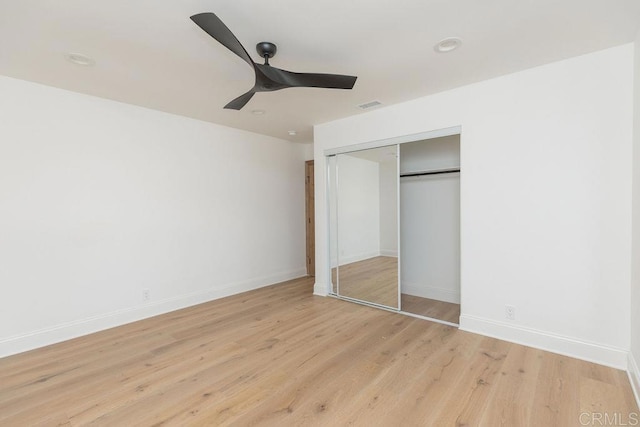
[438,133]
[567,346]
[344,260]
[430,319]
[392,310]
[66,331]
[431,292]
[327,207]
[321,289]
[398,226]
[389,253]
[364,302]
[634,376]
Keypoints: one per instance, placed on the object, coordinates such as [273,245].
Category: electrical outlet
[146,294]
[510,312]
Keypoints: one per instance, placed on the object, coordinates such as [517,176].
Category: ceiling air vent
[368,105]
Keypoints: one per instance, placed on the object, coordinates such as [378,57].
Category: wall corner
[320,289]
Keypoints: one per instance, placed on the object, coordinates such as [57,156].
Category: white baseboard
[320,289]
[357,257]
[62,332]
[634,376]
[388,252]
[567,346]
[431,292]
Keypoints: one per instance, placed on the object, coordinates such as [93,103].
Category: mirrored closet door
[394,231]
[363,213]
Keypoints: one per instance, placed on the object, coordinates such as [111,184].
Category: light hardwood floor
[373,280]
[282,356]
[431,308]
[376,280]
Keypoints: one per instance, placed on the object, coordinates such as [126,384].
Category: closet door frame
[398,225]
[454,130]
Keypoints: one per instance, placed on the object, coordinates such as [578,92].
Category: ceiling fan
[268,78]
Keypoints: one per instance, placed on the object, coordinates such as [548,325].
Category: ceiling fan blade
[291,79]
[240,101]
[213,26]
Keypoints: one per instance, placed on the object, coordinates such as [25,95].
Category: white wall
[430,220]
[388,171]
[100,200]
[634,359]
[358,209]
[432,154]
[545,199]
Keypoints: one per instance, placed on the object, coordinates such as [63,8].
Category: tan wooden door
[310,218]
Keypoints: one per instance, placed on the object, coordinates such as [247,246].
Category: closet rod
[430,172]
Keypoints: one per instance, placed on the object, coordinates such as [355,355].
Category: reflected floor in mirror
[372,280]
[375,280]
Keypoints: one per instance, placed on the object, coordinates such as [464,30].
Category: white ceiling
[149,53]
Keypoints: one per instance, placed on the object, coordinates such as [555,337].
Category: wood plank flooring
[281,356]
[376,280]
[431,308]
[373,280]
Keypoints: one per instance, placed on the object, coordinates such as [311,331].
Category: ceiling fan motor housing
[266,49]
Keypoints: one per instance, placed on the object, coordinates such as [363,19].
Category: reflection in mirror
[332,194]
[367,226]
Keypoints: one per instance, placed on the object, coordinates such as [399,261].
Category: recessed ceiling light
[447,45]
[80,59]
[258,112]
[292,133]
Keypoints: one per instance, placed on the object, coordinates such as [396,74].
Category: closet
[430,228]
[394,227]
